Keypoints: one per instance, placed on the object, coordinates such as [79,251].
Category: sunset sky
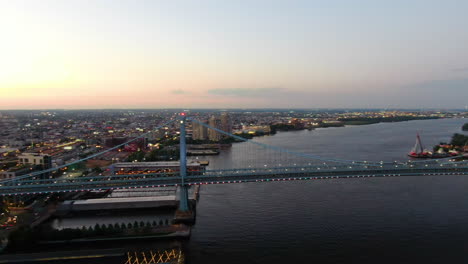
[233,54]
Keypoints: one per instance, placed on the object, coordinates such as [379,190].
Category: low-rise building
[35,159]
[14,172]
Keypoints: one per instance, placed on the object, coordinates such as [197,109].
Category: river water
[371,220]
[384,220]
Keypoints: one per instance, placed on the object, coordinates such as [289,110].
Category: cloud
[454,85]
[245,92]
[449,93]
[463,69]
[179,91]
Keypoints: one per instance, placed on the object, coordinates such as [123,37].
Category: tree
[459,140]
[110,228]
[163,155]
[97,170]
[138,156]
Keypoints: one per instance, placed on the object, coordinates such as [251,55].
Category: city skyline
[263,54]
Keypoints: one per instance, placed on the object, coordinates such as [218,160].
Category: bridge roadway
[36,186]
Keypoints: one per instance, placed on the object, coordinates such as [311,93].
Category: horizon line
[239,108]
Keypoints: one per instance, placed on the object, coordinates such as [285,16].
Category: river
[394,220]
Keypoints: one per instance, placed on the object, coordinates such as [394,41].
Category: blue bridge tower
[184,212]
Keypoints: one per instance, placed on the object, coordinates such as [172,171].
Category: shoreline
[176,234]
[352,125]
[61,255]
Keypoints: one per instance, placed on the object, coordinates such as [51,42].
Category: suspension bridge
[296,166]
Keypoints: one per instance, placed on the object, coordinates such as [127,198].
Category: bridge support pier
[184,213]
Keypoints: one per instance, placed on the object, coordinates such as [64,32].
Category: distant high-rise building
[212,134]
[226,124]
[200,132]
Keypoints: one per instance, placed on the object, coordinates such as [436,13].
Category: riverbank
[61,255]
[112,255]
[182,231]
[458,146]
[26,238]
[341,122]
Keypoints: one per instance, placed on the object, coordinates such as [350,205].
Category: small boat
[418,151]
[204,162]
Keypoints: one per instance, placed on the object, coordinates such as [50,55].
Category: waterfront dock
[117,204]
[207,152]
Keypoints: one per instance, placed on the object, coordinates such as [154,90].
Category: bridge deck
[221,176]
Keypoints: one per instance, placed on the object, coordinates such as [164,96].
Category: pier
[104,204]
